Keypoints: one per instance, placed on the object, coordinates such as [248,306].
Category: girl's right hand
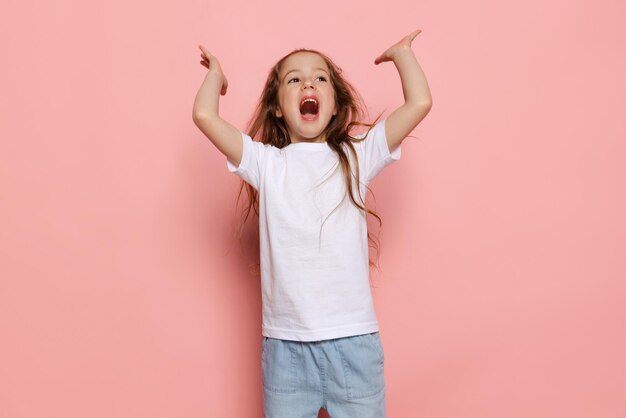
[210,62]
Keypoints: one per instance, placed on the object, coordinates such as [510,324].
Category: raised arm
[206,116]
[417,98]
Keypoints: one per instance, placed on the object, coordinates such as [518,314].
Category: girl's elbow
[421,109]
[425,104]
[421,106]
[203,117]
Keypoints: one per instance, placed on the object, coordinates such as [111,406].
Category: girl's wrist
[214,82]
[401,52]
[214,77]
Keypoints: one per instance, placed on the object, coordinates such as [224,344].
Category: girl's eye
[295,79]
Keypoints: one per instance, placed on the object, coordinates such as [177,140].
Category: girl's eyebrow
[291,71]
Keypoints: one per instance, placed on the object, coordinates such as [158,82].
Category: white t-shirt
[313,287]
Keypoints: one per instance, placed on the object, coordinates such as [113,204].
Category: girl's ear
[279,114]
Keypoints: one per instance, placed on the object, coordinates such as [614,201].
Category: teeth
[309,100]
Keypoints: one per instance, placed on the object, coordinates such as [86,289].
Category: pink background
[501,290]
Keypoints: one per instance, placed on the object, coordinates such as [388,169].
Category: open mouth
[309,108]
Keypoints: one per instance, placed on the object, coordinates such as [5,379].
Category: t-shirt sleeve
[375,153]
[250,167]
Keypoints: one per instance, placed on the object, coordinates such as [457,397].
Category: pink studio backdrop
[124,293]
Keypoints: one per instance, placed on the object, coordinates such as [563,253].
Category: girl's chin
[308,135]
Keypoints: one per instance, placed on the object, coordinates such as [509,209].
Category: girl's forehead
[303,60]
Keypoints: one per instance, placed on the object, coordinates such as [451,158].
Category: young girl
[321,346]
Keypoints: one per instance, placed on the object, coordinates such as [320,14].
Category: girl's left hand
[404,43]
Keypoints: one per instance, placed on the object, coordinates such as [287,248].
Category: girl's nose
[308,83]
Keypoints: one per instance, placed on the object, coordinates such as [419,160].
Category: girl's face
[306,98]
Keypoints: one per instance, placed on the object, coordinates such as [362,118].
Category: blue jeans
[343,375]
